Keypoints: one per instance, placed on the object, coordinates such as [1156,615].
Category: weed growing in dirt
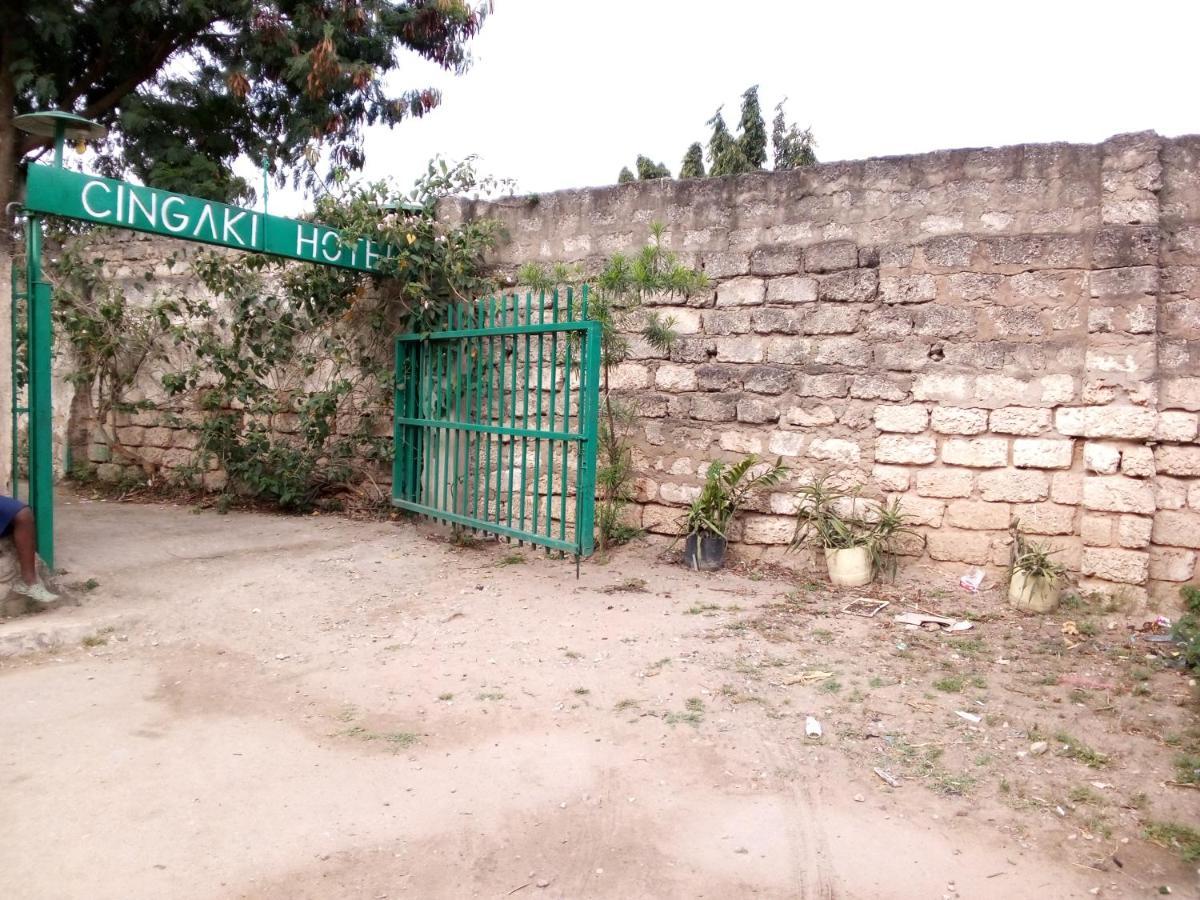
[967,646]
[699,608]
[628,586]
[571,654]
[822,635]
[1181,838]
[94,640]
[489,695]
[693,716]
[830,686]
[512,559]
[951,684]
[446,697]
[582,691]
[398,739]
[1078,750]
[1084,794]
[1187,768]
[627,703]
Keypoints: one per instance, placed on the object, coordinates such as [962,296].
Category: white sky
[563,93]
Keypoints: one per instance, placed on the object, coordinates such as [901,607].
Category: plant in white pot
[857,538]
[726,487]
[1033,577]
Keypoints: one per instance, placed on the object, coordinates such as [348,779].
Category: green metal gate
[496,417]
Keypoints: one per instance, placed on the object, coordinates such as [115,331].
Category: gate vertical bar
[585,491]
[18,293]
[39,341]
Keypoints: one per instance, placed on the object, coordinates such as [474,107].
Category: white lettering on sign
[87,202]
[301,240]
[228,229]
[206,215]
[371,258]
[325,239]
[150,214]
[180,222]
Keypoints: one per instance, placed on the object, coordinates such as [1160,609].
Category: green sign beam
[105,201]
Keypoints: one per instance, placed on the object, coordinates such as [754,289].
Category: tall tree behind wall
[186,89]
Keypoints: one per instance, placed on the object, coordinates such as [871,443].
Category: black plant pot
[705,551]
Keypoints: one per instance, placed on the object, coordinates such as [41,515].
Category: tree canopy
[187,88]
[693,162]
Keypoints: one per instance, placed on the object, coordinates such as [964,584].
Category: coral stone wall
[988,334]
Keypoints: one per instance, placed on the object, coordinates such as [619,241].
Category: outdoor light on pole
[60,126]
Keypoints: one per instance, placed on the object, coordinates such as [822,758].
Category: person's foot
[37,592]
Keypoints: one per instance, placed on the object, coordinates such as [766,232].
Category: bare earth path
[311,707]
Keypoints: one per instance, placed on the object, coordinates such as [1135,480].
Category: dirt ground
[275,707]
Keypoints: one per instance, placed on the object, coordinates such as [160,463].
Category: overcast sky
[563,93]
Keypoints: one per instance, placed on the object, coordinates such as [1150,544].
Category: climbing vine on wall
[283,371]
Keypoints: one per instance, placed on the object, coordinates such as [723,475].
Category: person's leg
[24,537]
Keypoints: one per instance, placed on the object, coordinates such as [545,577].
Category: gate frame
[585,438]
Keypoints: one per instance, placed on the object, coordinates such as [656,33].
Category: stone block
[810,417]
[972,547]
[214,481]
[1057,389]
[826,386]
[1066,487]
[1096,530]
[1116,493]
[830,256]
[1176,528]
[725,265]
[1024,486]
[712,408]
[157,437]
[1138,462]
[760,529]
[911,450]
[1176,426]
[99,453]
[828,318]
[741,349]
[716,377]
[1167,564]
[977,515]
[891,478]
[921,511]
[131,435]
[1183,461]
[757,412]
[1045,518]
[110,472]
[774,320]
[1019,420]
[678,494]
[1133,532]
[741,292]
[186,439]
[905,419]
[792,289]
[956,420]
[720,322]
[675,378]
[1121,566]
[774,261]
[945,482]
[878,387]
[1180,393]
[771,380]
[628,376]
[786,443]
[852,285]
[942,388]
[661,519]
[944,321]
[790,350]
[1170,493]
[949,252]
[979,453]
[1041,453]
[1128,422]
[835,450]
[1104,459]
[903,356]
[740,442]
[849,352]
[907,288]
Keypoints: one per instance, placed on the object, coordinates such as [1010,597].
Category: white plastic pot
[849,568]
[1033,593]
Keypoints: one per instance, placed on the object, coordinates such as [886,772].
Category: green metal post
[41,450]
[588,415]
[18,293]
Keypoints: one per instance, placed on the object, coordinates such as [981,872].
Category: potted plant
[1033,577]
[725,489]
[858,539]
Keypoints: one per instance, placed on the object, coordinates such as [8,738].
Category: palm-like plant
[726,488]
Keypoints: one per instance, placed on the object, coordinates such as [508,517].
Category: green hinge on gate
[496,418]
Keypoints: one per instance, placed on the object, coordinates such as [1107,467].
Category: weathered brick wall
[987,333]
